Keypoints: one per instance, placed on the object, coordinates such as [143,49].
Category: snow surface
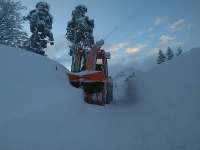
[83,72]
[40,110]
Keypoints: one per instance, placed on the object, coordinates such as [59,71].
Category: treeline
[79,32]
[168,56]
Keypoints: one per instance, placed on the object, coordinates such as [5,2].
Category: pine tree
[11,20]
[179,51]
[169,54]
[40,25]
[161,57]
[80,30]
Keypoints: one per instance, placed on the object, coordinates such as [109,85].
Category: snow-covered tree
[80,30]
[40,25]
[179,51]
[11,20]
[169,54]
[161,57]
[22,42]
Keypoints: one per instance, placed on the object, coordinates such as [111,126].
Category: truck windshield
[80,63]
[100,62]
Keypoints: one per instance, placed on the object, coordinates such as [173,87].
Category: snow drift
[35,98]
[168,97]
[39,109]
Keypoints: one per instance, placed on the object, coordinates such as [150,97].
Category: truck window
[80,63]
[100,62]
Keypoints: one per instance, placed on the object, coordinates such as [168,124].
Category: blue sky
[133,30]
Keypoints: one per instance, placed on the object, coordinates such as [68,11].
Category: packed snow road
[155,110]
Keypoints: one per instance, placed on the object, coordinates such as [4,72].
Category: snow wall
[40,110]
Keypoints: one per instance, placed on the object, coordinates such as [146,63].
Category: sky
[133,30]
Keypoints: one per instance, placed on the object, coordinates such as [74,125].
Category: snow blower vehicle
[90,72]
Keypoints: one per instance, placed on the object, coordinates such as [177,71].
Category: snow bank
[35,98]
[27,78]
[40,110]
[169,98]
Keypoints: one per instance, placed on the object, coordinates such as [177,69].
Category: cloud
[136,61]
[112,57]
[166,38]
[164,42]
[138,33]
[150,29]
[153,51]
[176,25]
[117,47]
[190,25]
[179,43]
[152,35]
[139,47]
[160,20]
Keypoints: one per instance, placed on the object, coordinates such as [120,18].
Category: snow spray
[117,28]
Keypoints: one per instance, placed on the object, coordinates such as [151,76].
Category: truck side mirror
[108,56]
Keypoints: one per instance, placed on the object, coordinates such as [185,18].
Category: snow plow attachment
[95,89]
[90,72]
